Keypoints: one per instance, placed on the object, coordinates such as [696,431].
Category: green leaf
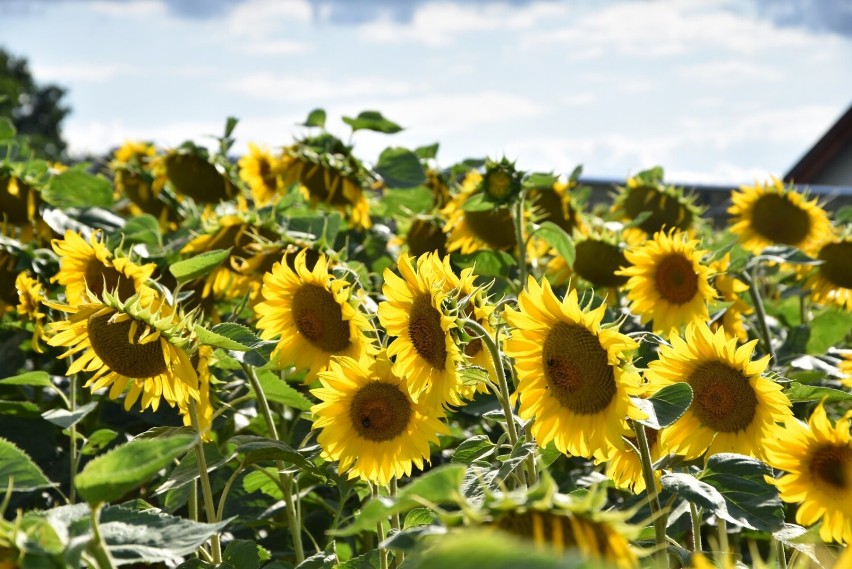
[427,152]
[487,263]
[559,239]
[843,214]
[666,406]
[279,391]
[315,118]
[260,449]
[372,120]
[799,393]
[187,469]
[785,254]
[476,448]
[699,493]
[478,202]
[110,476]
[228,336]
[143,229]
[437,486]
[403,203]
[369,560]
[752,502]
[34,378]
[829,329]
[473,375]
[98,441]
[65,418]
[198,265]
[7,129]
[400,168]
[244,554]
[418,517]
[76,188]
[540,180]
[16,465]
[263,480]
[230,125]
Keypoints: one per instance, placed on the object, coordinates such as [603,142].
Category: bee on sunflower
[774,214]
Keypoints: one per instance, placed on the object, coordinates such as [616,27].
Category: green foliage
[17,470]
[372,120]
[198,265]
[400,168]
[76,188]
[559,239]
[666,406]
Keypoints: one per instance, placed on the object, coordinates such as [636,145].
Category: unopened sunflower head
[140,345]
[775,214]
[501,182]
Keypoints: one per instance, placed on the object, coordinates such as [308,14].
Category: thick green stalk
[781,554]
[72,406]
[651,489]
[206,489]
[695,516]
[760,313]
[286,479]
[97,547]
[722,526]
[519,220]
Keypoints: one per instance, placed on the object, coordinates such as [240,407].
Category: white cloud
[272,87]
[132,9]
[581,99]
[621,83]
[668,28]
[276,47]
[79,72]
[729,71]
[443,23]
[263,18]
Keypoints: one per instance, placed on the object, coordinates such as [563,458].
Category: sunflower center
[319,318]
[577,369]
[676,279]
[100,278]
[499,184]
[832,464]
[836,267]
[723,398]
[120,351]
[666,210]
[325,184]
[427,336]
[550,206]
[425,237]
[597,261]
[380,411]
[495,227]
[778,219]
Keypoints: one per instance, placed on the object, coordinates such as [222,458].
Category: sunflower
[132,168]
[733,408]
[818,461]
[312,313]
[89,264]
[190,173]
[598,257]
[831,281]
[369,421]
[436,181]
[729,288]
[8,275]
[30,295]
[328,173]
[19,205]
[201,363]
[772,214]
[485,229]
[668,282]
[574,377]
[259,169]
[479,309]
[424,350]
[425,234]
[846,368]
[556,203]
[624,467]
[138,343]
[666,207]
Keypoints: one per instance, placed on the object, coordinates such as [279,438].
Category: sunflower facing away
[574,377]
[471,231]
[668,283]
[424,350]
[818,461]
[772,214]
[190,173]
[311,313]
[259,169]
[137,345]
[666,206]
[30,297]
[89,264]
[831,281]
[733,408]
[369,421]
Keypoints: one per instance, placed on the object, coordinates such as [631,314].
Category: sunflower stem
[723,536]
[504,394]
[782,556]
[97,547]
[651,488]
[760,313]
[192,505]
[290,498]
[695,516]
[380,533]
[518,219]
[206,489]
[72,406]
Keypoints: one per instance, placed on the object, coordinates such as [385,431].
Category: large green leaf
[244,554]
[229,336]
[400,168]
[372,120]
[7,129]
[666,406]
[261,449]
[143,229]
[699,493]
[110,476]
[198,265]
[76,188]
[477,447]
[829,329]
[751,501]
[559,239]
[438,486]
[65,418]
[798,393]
[187,470]
[17,466]
[279,391]
[34,378]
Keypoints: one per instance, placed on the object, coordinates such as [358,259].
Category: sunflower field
[298,358]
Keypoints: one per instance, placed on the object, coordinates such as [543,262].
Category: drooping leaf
[372,120]
[666,406]
[65,418]
[77,188]
[400,168]
[315,118]
[110,476]
[699,493]
[751,501]
[260,449]
[199,265]
[559,239]
[16,465]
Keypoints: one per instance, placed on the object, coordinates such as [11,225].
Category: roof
[821,154]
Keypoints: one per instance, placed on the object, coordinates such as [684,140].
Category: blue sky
[722,91]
